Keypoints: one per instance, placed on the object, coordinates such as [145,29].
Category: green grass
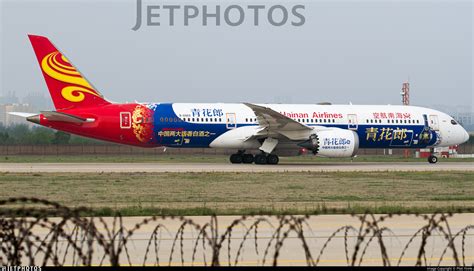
[356,209]
[245,193]
[196,158]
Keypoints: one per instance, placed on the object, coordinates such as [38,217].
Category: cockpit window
[453,122]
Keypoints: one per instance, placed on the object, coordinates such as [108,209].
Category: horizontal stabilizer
[58,116]
[22,114]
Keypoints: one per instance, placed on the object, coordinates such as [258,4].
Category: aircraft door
[352,119]
[433,122]
[231,121]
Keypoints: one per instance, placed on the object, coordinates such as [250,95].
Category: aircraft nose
[466,136]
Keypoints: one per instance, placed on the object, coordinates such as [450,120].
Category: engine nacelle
[333,143]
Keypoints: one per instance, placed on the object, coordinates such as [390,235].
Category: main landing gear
[259,159]
[432,159]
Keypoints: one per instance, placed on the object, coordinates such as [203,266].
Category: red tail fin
[68,88]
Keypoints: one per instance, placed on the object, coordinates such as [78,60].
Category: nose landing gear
[432,159]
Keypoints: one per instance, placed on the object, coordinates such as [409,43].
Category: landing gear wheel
[236,158]
[432,159]
[260,159]
[247,158]
[272,159]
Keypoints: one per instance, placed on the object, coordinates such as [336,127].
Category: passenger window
[161,119]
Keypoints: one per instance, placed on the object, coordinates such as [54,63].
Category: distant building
[38,101]
[9,98]
[7,119]
[34,102]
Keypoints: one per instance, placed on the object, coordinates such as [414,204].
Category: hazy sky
[347,51]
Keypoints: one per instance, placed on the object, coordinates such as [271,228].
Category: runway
[216,167]
[175,248]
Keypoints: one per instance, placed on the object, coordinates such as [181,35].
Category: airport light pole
[406,101]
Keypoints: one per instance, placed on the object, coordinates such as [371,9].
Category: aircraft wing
[275,121]
[273,124]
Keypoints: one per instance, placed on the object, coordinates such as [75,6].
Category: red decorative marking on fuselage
[106,125]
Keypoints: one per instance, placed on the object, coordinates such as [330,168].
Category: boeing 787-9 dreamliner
[265,129]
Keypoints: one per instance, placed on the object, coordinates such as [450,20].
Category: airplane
[269,130]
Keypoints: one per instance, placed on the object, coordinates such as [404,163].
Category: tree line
[22,134]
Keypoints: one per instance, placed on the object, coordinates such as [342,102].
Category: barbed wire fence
[42,232]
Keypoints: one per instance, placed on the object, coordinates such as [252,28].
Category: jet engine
[332,143]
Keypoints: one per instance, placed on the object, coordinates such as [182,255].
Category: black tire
[432,159]
[247,158]
[236,158]
[260,159]
[272,159]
